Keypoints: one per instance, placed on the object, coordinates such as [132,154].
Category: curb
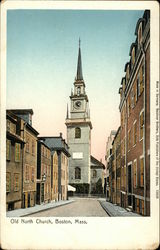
[47,209]
[41,210]
[102,205]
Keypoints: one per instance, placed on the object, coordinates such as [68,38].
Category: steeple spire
[79,64]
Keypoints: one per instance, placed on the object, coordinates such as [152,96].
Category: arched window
[77,133]
[77,173]
[78,90]
[94,173]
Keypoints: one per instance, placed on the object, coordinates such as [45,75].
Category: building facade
[43,193]
[54,174]
[79,134]
[97,176]
[14,161]
[59,145]
[115,169]
[107,173]
[29,172]
[135,122]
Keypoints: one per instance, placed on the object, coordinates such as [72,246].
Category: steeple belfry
[79,131]
[79,75]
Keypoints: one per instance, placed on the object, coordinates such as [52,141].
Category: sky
[42,53]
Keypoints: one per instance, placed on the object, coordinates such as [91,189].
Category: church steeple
[79,75]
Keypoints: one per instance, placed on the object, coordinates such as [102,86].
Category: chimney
[60,134]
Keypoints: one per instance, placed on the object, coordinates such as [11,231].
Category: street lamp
[44,177]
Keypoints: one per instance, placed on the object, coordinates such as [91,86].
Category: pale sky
[42,51]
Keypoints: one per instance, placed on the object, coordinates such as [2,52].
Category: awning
[70,188]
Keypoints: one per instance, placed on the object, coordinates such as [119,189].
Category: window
[8,182]
[141,172]
[44,169]
[135,133]
[77,173]
[8,150]
[142,73]
[42,150]
[12,128]
[132,98]
[16,182]
[118,183]
[27,144]
[139,34]
[141,124]
[32,174]
[8,125]
[133,56]
[47,188]
[124,176]
[78,90]
[142,207]
[45,152]
[123,84]
[124,149]
[122,119]
[127,73]
[77,133]
[137,201]
[33,147]
[17,152]
[26,176]
[49,174]
[129,140]
[122,180]
[62,174]
[129,105]
[138,86]
[135,173]
[94,173]
[135,94]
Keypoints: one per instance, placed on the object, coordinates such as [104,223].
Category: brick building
[135,122]
[115,168]
[29,165]
[43,194]
[54,179]
[14,158]
[58,144]
[107,171]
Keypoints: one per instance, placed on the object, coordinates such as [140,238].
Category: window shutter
[17,152]
[142,172]
[8,182]
[8,150]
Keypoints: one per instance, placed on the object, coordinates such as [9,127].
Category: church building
[79,134]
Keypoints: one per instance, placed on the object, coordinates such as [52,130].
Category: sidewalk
[37,208]
[114,210]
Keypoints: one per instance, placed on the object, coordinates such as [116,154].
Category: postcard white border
[99,233]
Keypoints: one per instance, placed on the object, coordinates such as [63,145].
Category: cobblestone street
[80,207]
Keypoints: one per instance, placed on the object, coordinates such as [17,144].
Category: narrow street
[80,207]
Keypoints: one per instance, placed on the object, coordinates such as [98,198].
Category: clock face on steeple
[77,104]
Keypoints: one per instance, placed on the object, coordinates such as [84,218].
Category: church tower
[79,133]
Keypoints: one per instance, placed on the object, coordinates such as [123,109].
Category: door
[38,194]
[129,179]
[29,204]
[42,192]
